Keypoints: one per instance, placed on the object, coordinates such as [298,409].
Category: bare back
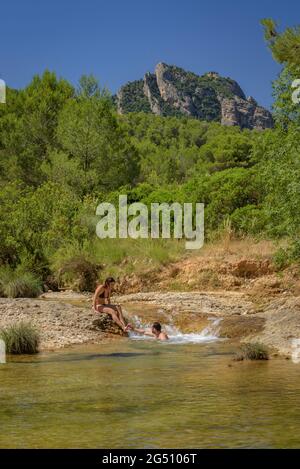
[162,336]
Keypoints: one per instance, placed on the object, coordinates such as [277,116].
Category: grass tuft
[19,284]
[20,338]
[254,351]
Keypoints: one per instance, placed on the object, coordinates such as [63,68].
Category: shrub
[79,273]
[284,257]
[248,220]
[254,351]
[19,284]
[20,338]
[281,258]
[295,250]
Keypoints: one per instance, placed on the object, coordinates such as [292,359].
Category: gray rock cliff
[174,91]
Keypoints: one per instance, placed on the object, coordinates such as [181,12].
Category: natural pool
[144,394]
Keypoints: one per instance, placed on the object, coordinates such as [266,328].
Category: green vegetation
[20,338]
[133,98]
[17,283]
[285,50]
[284,46]
[254,351]
[284,257]
[77,271]
[65,150]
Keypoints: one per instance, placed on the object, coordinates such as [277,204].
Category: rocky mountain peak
[171,90]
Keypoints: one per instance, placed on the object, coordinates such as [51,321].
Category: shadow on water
[144,350]
[83,357]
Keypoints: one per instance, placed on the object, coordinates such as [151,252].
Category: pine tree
[285,47]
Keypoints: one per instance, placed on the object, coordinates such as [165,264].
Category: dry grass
[238,248]
[138,256]
[225,264]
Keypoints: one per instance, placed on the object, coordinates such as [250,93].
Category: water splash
[208,334]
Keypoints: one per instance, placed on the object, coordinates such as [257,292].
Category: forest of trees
[64,149]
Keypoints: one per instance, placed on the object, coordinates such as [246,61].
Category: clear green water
[138,394]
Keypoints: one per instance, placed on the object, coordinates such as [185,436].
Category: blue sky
[119,41]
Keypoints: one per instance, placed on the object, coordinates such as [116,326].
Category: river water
[132,393]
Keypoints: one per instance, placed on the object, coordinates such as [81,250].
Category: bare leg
[118,311]
[114,315]
[121,317]
[116,319]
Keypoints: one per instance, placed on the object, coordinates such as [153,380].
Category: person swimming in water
[155,331]
[102,303]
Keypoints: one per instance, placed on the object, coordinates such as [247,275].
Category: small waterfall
[208,334]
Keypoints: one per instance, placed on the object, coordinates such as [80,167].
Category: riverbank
[59,321]
[233,281]
[66,318]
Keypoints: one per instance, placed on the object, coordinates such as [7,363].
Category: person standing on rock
[102,303]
